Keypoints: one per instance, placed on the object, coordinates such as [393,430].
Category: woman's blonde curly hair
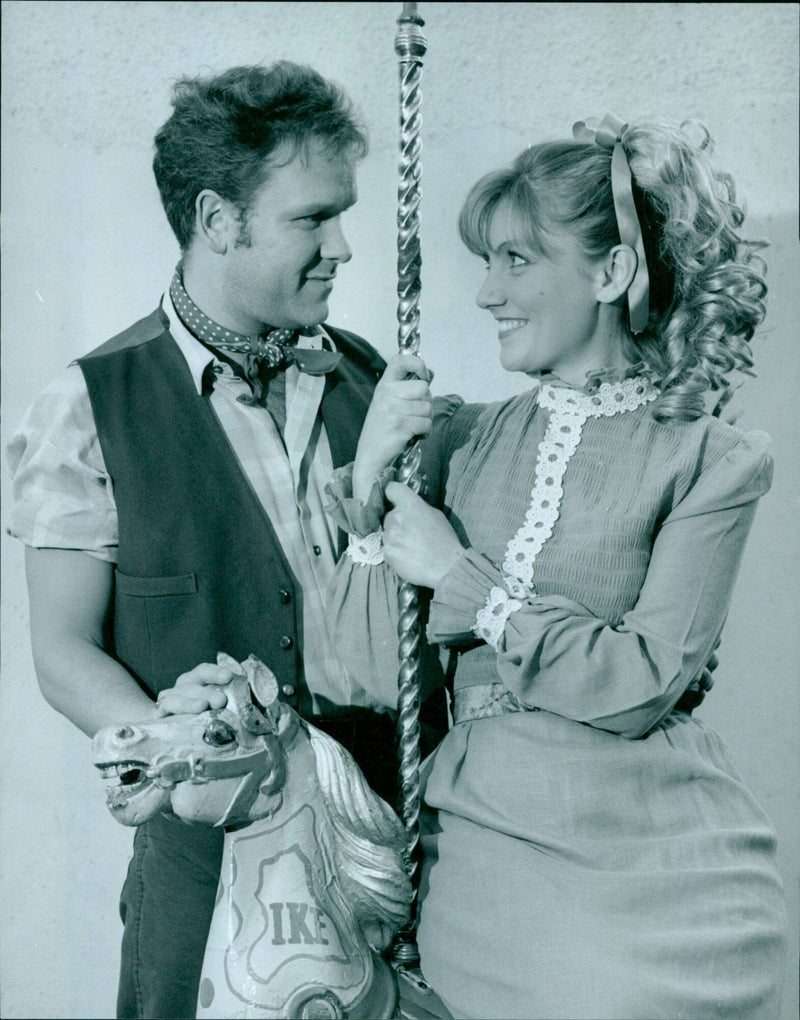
[707,286]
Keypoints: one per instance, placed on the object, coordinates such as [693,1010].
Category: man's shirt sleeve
[62,494]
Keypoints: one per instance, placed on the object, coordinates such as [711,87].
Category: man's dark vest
[200,569]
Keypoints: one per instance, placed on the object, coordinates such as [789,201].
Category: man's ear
[617,273]
[216,223]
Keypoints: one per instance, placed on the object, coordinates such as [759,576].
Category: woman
[594,853]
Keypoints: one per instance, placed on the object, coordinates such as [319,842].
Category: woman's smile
[506,326]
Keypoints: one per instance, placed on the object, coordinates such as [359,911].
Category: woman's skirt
[571,872]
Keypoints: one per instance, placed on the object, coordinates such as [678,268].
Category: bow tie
[274,350]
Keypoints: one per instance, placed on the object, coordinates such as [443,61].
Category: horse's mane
[369,844]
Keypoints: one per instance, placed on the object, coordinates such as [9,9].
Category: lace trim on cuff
[491,620]
[367,551]
[569,410]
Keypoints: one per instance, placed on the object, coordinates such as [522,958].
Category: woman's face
[547,309]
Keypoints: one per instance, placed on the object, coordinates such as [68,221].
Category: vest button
[317,551]
[284,596]
[286,642]
[288,690]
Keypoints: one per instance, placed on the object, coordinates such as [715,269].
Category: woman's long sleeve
[362,606]
[363,596]
[557,656]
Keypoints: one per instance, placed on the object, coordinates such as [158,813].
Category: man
[169,487]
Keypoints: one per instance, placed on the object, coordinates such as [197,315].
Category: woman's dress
[594,852]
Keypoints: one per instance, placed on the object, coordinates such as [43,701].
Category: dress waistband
[482,701]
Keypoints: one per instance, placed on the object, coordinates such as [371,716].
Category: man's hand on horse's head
[196,691]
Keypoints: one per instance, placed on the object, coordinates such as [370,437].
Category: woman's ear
[214,221]
[617,273]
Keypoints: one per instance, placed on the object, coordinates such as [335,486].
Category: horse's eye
[219,733]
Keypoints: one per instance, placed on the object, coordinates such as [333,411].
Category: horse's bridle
[263,769]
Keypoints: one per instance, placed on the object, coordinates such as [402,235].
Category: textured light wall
[86,251]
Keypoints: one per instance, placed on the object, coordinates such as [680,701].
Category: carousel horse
[313,884]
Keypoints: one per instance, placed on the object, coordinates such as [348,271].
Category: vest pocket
[159,626]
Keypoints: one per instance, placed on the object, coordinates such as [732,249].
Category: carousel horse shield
[313,885]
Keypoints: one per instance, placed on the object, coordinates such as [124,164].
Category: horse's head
[219,767]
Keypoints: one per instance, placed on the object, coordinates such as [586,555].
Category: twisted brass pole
[410,46]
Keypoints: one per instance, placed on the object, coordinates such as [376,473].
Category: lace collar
[598,398]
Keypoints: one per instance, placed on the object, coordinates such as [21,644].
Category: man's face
[284,275]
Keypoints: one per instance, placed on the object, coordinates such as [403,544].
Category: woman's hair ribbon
[607,135]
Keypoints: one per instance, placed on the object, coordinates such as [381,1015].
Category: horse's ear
[262,680]
[223,659]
